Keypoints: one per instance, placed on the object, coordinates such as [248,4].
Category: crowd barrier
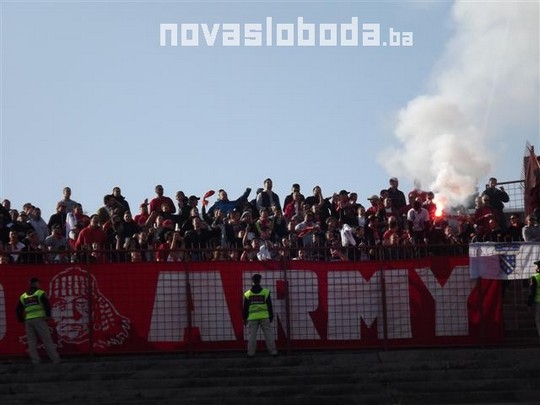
[191,307]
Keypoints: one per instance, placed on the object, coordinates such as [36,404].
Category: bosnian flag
[503,261]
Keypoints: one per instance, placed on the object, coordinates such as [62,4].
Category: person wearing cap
[376,205]
[258,312]
[533,300]
[34,310]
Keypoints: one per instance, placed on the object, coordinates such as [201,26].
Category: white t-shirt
[418,218]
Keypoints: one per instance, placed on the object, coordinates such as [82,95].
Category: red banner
[198,306]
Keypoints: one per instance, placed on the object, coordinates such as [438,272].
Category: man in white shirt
[418,219]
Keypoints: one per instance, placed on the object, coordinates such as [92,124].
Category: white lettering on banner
[398,311]
[451,317]
[169,315]
[352,298]
[3,317]
[210,311]
[303,298]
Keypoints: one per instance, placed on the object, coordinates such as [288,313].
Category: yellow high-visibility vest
[33,307]
[258,309]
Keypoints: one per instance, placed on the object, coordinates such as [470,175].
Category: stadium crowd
[315,227]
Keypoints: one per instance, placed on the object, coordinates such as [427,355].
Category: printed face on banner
[70,294]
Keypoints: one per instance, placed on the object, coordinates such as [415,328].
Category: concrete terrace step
[437,376]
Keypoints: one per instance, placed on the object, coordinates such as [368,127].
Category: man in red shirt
[157,202]
[91,234]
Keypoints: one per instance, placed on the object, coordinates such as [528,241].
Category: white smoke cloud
[487,79]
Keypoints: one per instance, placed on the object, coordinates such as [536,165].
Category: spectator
[225,205]
[5,221]
[317,200]
[389,211]
[110,208]
[32,252]
[248,226]
[55,243]
[531,230]
[482,214]
[183,207]
[67,201]
[6,204]
[293,206]
[130,228]
[197,239]
[28,208]
[390,232]
[376,205]
[73,218]
[251,250]
[361,216]
[39,225]
[397,196]
[495,232]
[157,202]
[59,218]
[14,246]
[430,205]
[306,229]
[343,209]
[117,194]
[337,254]
[91,234]
[267,198]
[21,225]
[264,221]
[279,224]
[294,189]
[142,217]
[514,233]
[497,198]
[466,230]
[418,219]
[144,243]
[233,230]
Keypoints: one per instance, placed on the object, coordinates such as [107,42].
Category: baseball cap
[537,262]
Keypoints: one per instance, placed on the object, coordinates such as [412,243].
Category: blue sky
[90,100]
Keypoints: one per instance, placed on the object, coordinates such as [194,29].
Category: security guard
[257,312]
[34,310]
[534,296]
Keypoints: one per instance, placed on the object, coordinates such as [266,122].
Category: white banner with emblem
[503,261]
